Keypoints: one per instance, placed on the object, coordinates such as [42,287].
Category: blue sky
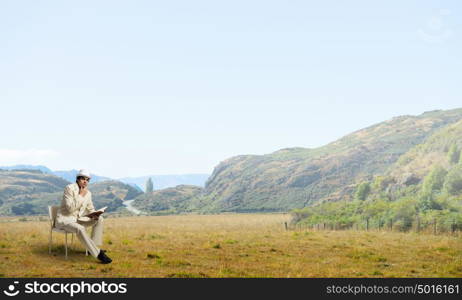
[131,88]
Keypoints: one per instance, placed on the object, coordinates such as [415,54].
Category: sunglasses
[84,178]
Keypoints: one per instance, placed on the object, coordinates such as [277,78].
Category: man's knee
[80,229]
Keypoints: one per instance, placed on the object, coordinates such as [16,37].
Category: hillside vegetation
[294,178]
[422,190]
[169,200]
[112,193]
[27,192]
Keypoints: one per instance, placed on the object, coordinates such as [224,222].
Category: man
[77,211]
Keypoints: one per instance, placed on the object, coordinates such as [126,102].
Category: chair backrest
[52,212]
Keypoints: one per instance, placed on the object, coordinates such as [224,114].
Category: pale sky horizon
[128,89]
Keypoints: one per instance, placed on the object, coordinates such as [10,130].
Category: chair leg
[49,241]
[66,245]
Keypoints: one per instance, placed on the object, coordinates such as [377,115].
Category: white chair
[52,212]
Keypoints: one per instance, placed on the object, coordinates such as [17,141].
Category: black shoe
[104,258]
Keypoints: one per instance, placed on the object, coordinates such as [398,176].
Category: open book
[97,212]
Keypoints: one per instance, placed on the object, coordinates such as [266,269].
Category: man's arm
[68,200]
[90,209]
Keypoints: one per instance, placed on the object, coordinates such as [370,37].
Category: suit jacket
[73,206]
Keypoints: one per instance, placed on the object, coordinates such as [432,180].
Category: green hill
[298,177]
[169,200]
[419,161]
[25,192]
[422,189]
[112,193]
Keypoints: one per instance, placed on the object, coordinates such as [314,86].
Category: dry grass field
[229,245]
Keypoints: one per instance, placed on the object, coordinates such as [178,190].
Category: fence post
[391,224]
[285,224]
[434,226]
[367,224]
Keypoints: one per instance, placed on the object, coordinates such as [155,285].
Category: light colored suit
[71,216]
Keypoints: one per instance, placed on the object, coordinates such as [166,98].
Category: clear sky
[131,88]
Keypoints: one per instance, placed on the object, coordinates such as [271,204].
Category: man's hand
[83,191]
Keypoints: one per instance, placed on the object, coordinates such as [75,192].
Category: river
[129,206]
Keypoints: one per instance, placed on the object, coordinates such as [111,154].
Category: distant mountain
[160,181]
[66,175]
[167,181]
[135,186]
[167,201]
[71,175]
[28,167]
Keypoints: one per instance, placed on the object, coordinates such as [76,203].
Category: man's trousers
[96,234]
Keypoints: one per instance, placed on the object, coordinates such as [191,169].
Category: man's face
[83,181]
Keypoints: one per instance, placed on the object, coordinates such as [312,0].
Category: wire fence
[434,226]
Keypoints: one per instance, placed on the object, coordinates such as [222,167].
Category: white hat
[84,172]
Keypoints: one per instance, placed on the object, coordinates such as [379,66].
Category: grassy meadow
[227,245]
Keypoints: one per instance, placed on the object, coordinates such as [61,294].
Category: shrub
[404,212]
[362,191]
[454,154]
[453,182]
[434,180]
